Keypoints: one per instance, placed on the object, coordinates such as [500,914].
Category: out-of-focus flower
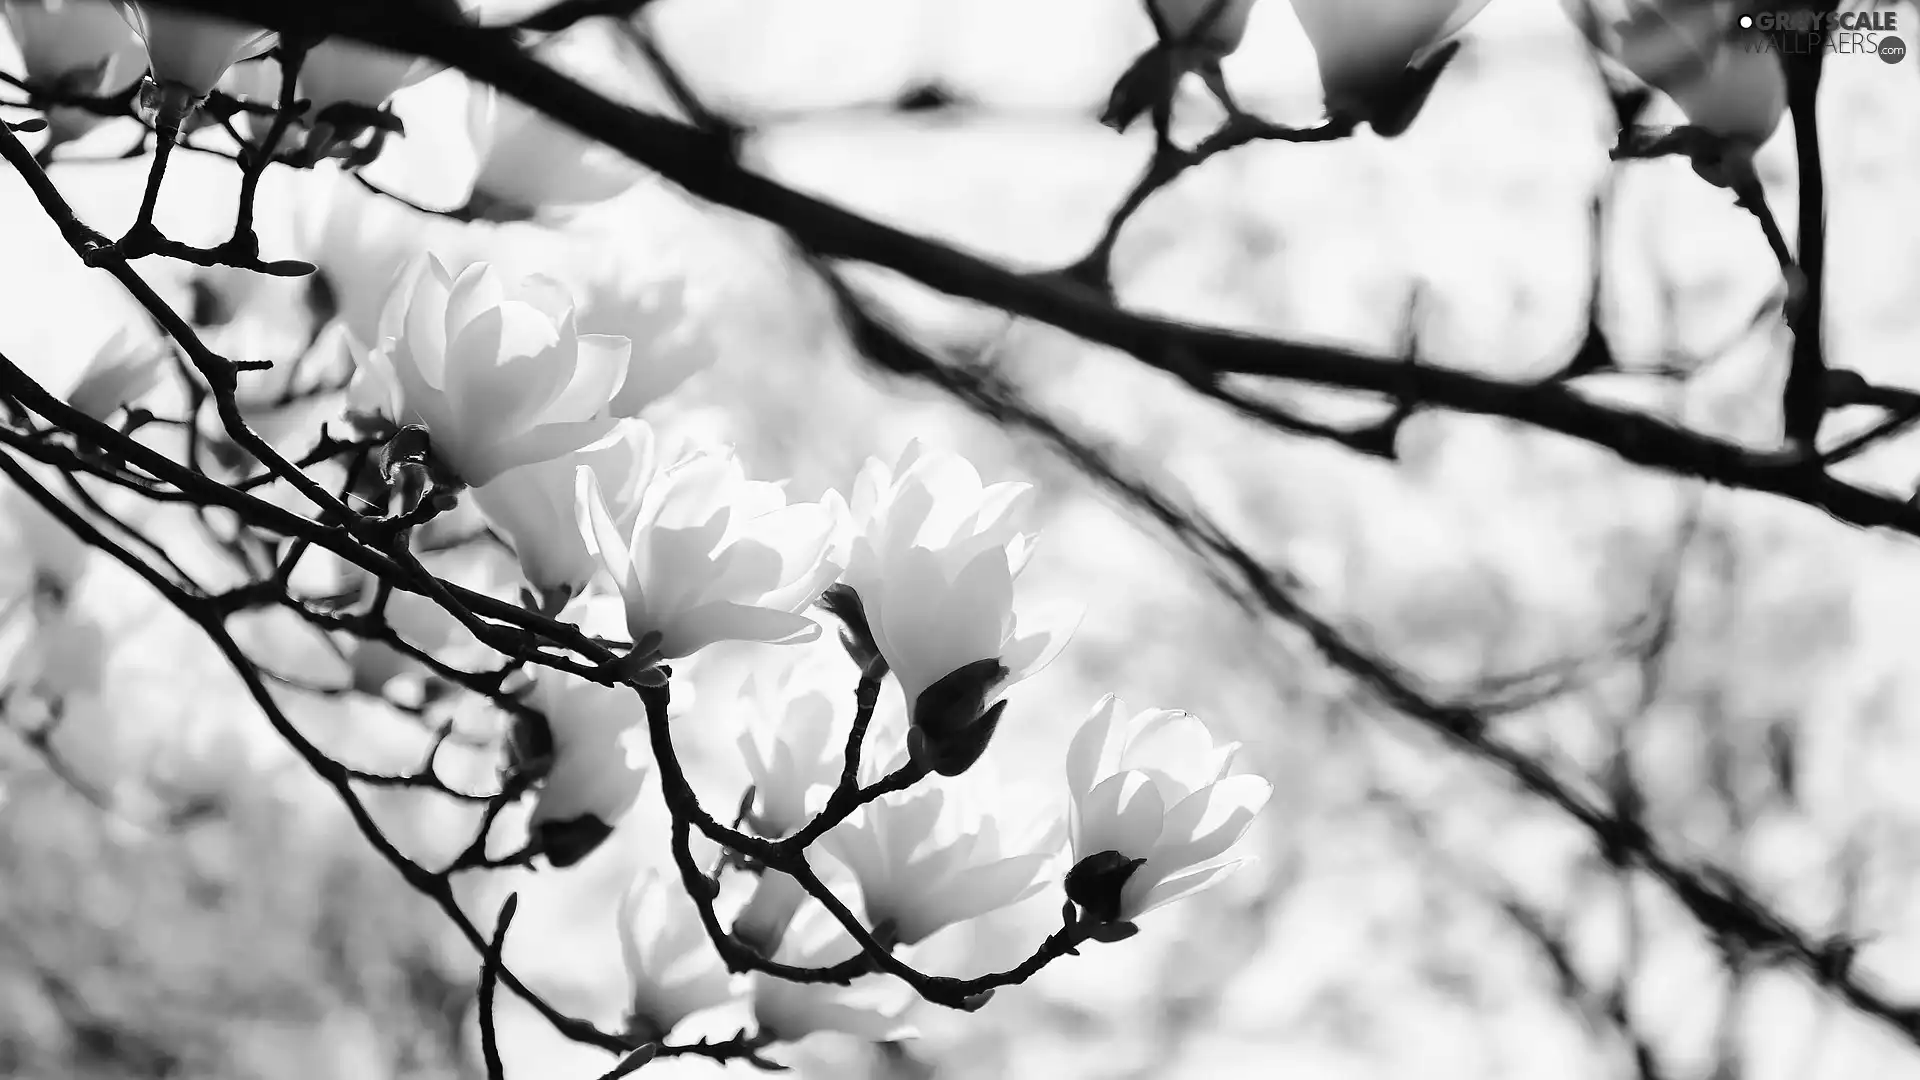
[187,52]
[1724,79]
[1741,98]
[762,925]
[76,47]
[711,556]
[870,1008]
[533,506]
[529,163]
[933,558]
[347,84]
[597,761]
[1155,805]
[342,72]
[122,371]
[670,343]
[362,243]
[44,552]
[497,379]
[419,622]
[1196,36]
[64,657]
[922,868]
[672,970]
[791,745]
[1379,61]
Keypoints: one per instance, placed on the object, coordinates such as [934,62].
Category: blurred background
[181,899]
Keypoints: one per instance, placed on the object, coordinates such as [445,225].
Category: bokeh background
[180,899]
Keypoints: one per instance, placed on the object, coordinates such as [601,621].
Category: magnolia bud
[844,604]
[1095,883]
[567,842]
[951,723]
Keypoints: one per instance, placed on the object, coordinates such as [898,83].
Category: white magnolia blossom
[80,46]
[532,506]
[499,377]
[711,556]
[793,744]
[923,867]
[672,970]
[763,923]
[419,622]
[40,554]
[933,557]
[1364,50]
[121,372]
[599,759]
[1722,78]
[340,71]
[188,49]
[671,343]
[1742,96]
[1692,51]
[870,1008]
[528,162]
[63,657]
[1156,788]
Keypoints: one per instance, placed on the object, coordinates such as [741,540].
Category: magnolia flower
[1155,805]
[932,563]
[533,507]
[122,371]
[870,1008]
[921,870]
[1741,97]
[1195,36]
[1378,61]
[672,970]
[339,71]
[597,759]
[64,657]
[791,744]
[1726,81]
[710,556]
[49,558]
[74,46]
[190,51]
[347,83]
[497,379]
[670,344]
[528,162]
[418,621]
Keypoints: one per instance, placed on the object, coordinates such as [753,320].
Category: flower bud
[565,843]
[843,603]
[1095,882]
[951,721]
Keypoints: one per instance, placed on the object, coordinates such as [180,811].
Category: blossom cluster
[498,396]
[1378,62]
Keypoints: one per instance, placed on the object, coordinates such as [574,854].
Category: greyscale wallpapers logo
[1843,32]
